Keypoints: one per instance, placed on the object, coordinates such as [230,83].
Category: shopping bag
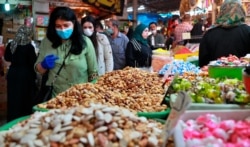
[45,92]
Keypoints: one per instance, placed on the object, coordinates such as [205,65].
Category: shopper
[229,36]
[183,27]
[138,52]
[118,43]
[130,30]
[21,77]
[156,39]
[101,44]
[198,28]
[65,37]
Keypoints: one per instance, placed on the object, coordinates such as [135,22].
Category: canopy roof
[158,6]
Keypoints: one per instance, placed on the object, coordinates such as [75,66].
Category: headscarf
[138,34]
[231,14]
[23,37]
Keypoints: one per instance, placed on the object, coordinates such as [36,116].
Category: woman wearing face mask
[138,52]
[101,43]
[64,41]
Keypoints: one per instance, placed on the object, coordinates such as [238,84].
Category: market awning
[158,6]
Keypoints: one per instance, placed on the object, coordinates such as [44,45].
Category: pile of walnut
[131,88]
[98,125]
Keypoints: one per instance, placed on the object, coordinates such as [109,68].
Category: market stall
[175,104]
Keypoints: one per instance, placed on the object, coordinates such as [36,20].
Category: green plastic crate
[225,72]
[155,115]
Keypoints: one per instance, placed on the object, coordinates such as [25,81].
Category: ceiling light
[130,9]
[7,6]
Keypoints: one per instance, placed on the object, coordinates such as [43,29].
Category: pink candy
[208,130]
[227,124]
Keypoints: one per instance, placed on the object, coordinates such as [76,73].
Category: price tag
[186,36]
[178,107]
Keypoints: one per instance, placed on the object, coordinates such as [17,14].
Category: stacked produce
[180,67]
[210,90]
[131,88]
[210,130]
[97,125]
[231,60]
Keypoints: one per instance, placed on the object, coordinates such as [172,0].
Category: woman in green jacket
[64,37]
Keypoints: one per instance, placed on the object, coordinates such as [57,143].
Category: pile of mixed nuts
[130,88]
[96,126]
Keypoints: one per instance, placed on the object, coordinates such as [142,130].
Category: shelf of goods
[213,128]
[41,23]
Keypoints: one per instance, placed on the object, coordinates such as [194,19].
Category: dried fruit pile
[98,125]
[131,88]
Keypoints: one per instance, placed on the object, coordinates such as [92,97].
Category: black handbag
[45,92]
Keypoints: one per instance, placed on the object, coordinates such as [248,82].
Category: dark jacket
[136,58]
[218,42]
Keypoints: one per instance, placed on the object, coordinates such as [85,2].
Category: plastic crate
[225,72]
[155,115]
[193,114]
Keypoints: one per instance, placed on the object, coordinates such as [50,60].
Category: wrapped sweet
[210,130]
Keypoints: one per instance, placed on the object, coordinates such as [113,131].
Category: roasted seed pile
[95,126]
[132,80]
[131,88]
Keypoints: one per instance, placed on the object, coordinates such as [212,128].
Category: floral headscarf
[231,14]
[23,37]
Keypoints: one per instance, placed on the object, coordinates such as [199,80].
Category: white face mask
[88,32]
[154,32]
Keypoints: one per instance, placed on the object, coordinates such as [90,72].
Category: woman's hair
[98,24]
[93,37]
[67,14]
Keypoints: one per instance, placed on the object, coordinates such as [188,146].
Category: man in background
[156,38]
[118,42]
